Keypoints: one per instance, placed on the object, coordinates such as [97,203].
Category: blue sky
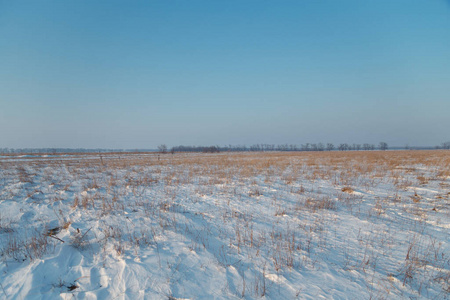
[136,74]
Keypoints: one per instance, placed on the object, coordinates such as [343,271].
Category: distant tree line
[273,147]
[229,148]
[445,145]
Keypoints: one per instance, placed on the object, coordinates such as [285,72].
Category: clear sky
[136,74]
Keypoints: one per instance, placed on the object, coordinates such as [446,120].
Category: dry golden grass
[165,189]
[343,168]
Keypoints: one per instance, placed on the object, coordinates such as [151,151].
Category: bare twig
[56,238]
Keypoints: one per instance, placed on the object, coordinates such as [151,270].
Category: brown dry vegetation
[289,185]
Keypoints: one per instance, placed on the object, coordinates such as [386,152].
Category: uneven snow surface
[332,225]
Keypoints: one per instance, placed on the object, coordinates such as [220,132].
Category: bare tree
[446,145]
[383,146]
[343,147]
[162,148]
[330,147]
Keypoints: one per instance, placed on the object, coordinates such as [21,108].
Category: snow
[226,226]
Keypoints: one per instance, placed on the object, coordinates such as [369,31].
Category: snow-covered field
[332,225]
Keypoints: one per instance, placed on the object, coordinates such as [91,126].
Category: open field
[279,225]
